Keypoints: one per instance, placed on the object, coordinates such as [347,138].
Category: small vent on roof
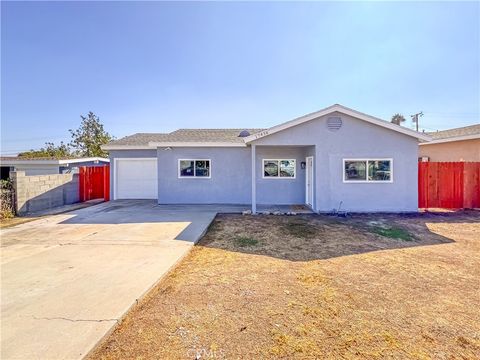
[334,123]
[244,133]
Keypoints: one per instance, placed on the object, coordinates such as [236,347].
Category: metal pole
[415,118]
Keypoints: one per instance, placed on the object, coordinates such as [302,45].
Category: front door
[309,182]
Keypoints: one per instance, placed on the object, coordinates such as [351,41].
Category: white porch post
[254,181]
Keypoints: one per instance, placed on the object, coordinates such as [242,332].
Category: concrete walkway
[238,209]
[67,279]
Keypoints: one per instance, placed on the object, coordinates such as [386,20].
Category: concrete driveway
[67,279]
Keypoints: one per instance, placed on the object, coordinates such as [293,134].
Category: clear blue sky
[156,66]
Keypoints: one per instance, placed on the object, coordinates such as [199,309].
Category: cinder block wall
[42,192]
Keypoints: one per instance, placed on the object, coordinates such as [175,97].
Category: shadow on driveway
[143,212]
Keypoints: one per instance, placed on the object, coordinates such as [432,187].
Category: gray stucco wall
[231,169]
[37,169]
[355,139]
[280,191]
[230,181]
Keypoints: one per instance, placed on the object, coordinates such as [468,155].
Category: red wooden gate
[451,185]
[94,183]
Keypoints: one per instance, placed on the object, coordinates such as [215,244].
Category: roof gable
[230,137]
[340,109]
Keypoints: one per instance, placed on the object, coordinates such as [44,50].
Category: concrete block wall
[42,192]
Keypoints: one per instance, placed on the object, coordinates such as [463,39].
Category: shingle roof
[28,158]
[461,131]
[209,135]
[140,139]
[185,135]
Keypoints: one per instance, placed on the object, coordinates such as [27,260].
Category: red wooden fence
[94,183]
[451,185]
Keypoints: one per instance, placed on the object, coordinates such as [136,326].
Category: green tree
[89,137]
[49,151]
[398,119]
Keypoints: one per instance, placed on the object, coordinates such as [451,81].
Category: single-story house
[459,144]
[332,156]
[47,166]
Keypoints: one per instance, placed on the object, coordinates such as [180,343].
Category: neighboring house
[460,144]
[44,166]
[321,159]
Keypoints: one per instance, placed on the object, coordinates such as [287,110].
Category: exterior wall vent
[334,123]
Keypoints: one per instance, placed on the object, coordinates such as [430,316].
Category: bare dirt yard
[310,286]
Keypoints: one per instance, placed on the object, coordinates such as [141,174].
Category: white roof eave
[13,162]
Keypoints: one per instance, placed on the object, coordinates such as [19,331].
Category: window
[355,170]
[279,169]
[194,168]
[369,170]
[379,170]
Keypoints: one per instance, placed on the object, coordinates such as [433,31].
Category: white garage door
[136,179]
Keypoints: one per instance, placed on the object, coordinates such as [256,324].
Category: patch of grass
[300,228]
[393,233]
[244,241]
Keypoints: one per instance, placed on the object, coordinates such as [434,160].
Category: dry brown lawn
[14,221]
[316,287]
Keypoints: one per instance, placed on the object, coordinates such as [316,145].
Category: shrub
[7,199]
[6,214]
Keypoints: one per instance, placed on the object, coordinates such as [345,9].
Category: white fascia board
[50,161]
[343,110]
[456,138]
[196,144]
[74,161]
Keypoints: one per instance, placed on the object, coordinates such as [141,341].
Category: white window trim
[195,176]
[345,181]
[279,177]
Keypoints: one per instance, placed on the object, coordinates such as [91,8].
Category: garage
[136,178]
